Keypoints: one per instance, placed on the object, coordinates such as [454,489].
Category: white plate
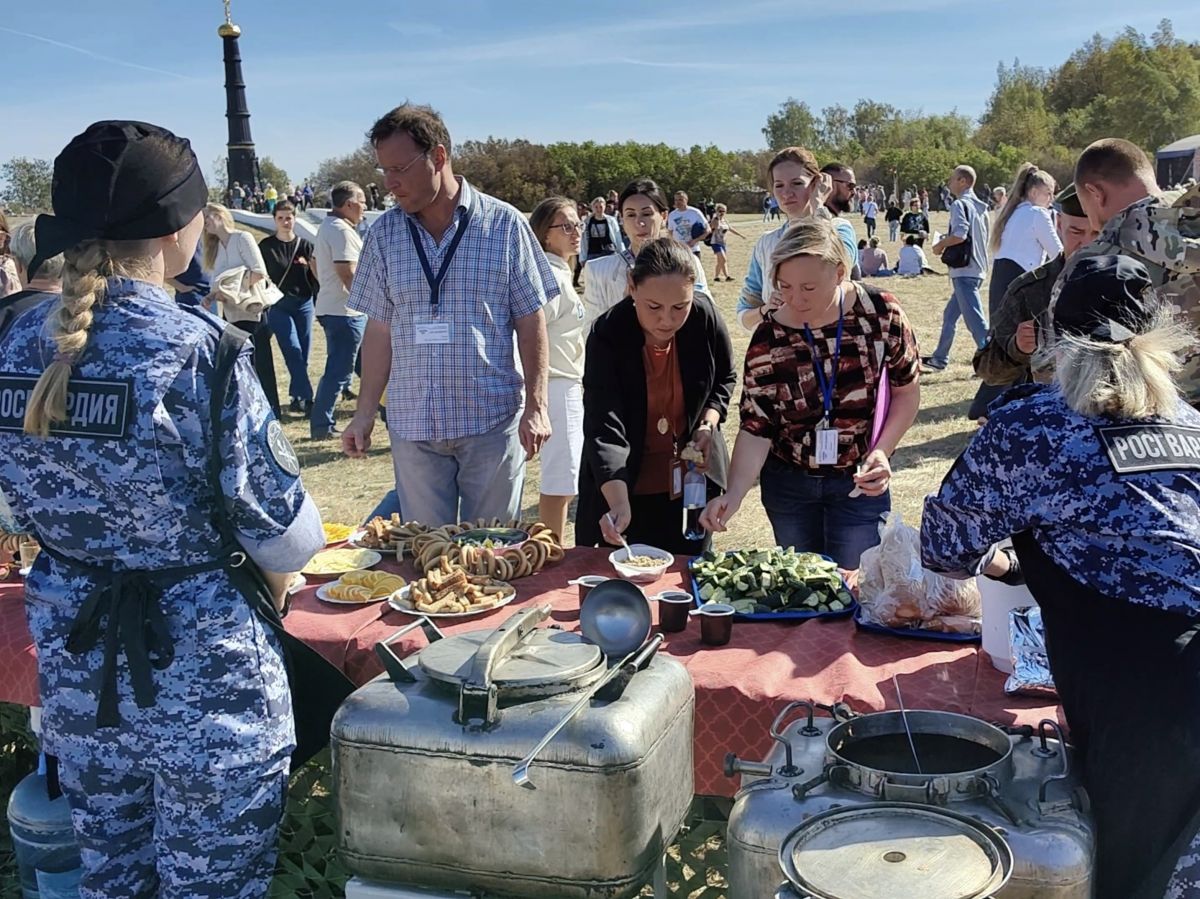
[355,540]
[399,602]
[299,582]
[323,595]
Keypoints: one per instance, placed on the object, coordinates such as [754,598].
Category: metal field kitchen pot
[424,762]
[898,802]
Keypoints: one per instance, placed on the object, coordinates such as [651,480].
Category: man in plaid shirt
[446,277]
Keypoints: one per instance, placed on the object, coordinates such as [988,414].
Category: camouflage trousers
[183,798]
[175,833]
[1185,882]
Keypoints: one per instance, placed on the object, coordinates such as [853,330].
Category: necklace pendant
[663,425]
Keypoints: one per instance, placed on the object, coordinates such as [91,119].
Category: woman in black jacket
[657,381]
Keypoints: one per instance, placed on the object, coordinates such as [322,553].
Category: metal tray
[774,616]
[912,633]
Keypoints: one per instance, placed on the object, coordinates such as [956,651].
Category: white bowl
[641,575]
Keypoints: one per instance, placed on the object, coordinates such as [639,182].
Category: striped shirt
[470,385]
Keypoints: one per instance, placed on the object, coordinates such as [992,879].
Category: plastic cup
[673,609]
[586,583]
[716,624]
[29,552]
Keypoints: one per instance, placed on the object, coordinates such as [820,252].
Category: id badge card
[676,479]
[827,446]
[432,331]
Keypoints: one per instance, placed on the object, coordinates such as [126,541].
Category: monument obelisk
[243,166]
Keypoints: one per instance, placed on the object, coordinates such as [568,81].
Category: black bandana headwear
[1106,298]
[120,181]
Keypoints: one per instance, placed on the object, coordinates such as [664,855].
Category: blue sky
[707,71]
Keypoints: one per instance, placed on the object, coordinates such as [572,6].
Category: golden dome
[228,29]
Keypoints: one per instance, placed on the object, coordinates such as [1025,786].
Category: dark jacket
[999,362]
[614,401]
[914,223]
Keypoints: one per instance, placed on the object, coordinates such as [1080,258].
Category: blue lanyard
[827,385]
[435,281]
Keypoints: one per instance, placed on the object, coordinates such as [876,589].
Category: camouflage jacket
[1164,234]
[1111,501]
[999,362]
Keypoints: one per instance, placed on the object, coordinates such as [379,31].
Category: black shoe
[333,433]
[928,363]
[348,394]
[296,405]
[307,404]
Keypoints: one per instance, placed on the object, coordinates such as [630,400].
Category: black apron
[123,610]
[1129,679]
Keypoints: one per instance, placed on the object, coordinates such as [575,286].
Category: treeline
[1143,88]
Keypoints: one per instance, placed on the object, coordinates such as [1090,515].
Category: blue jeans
[343,336]
[291,319]
[893,230]
[967,303]
[389,504]
[818,515]
[447,481]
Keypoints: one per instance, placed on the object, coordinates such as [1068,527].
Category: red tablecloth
[739,688]
[18,660]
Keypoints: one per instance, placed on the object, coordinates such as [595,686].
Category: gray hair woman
[1096,478]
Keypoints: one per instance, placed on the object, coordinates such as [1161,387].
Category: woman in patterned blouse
[811,384]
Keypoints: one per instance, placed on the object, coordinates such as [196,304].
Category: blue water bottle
[44,844]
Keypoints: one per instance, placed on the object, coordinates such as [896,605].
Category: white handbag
[250,299]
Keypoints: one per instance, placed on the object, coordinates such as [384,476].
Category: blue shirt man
[448,277]
[968,221]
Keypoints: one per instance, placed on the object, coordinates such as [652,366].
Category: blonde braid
[85,271]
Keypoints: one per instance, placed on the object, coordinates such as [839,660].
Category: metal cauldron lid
[545,658]
[894,850]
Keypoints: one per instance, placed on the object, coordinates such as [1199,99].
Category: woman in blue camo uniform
[165,698]
[1097,480]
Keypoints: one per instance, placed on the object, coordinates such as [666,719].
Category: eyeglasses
[395,171]
[568,228]
[844,181]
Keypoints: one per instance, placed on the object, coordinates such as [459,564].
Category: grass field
[346,490]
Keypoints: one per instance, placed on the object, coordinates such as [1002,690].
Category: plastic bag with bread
[895,591]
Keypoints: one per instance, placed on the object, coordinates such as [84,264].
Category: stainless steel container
[1022,787]
[423,768]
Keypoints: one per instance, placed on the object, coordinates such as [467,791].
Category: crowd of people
[485,347]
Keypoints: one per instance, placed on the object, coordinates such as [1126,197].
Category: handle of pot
[925,794]
[395,666]
[777,729]
[1044,725]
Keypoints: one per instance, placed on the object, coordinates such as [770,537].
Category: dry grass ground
[346,490]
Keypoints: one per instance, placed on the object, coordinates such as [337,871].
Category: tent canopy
[1185,147]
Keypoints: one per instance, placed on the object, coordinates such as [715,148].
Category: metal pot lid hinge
[516,662]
